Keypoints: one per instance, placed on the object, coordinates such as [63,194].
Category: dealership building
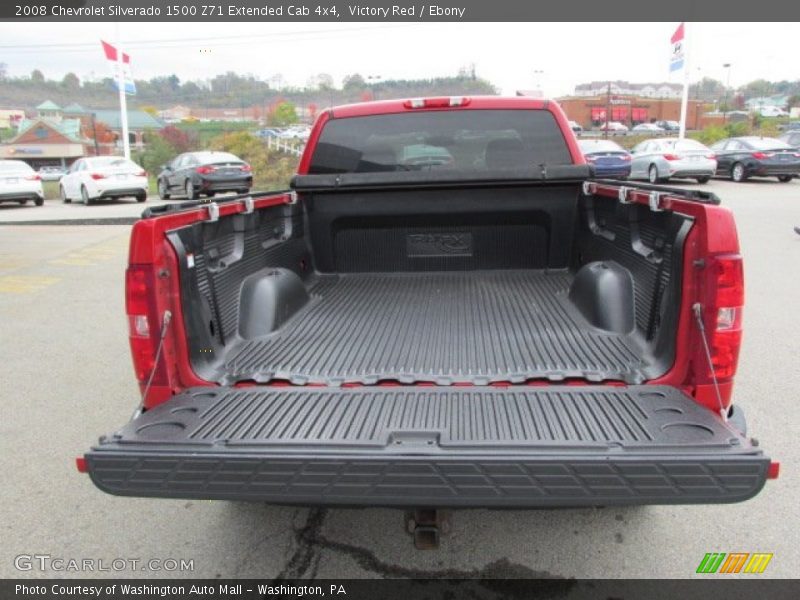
[593,111]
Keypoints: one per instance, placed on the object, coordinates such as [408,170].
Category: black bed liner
[513,446]
[477,327]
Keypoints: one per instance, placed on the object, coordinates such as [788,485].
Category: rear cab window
[466,140]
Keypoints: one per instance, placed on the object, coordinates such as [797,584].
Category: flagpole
[123,101]
[685,97]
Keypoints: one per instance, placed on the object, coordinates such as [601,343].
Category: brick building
[591,112]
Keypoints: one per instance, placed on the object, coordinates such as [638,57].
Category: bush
[271,170]
[158,152]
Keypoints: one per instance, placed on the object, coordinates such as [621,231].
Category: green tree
[157,152]
[283,114]
[353,82]
[37,76]
[71,82]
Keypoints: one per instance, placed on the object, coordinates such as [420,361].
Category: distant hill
[223,91]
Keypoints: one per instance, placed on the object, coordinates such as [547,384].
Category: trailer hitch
[427,525]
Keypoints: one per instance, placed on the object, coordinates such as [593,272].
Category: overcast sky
[507,54]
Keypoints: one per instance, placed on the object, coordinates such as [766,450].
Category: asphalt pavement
[67,378]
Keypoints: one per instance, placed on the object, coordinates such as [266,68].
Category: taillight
[627,157]
[34,177]
[143,323]
[205,170]
[141,173]
[591,158]
[436,102]
[711,156]
[760,155]
[247,168]
[97,176]
[723,314]
[672,157]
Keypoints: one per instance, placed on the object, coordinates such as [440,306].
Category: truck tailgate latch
[249,205]
[622,194]
[213,212]
[654,200]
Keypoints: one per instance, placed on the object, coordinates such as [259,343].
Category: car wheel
[784,178]
[703,179]
[23,202]
[163,192]
[191,193]
[652,174]
[141,197]
[737,173]
[62,193]
[38,201]
[85,196]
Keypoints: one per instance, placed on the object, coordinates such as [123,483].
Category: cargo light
[444,102]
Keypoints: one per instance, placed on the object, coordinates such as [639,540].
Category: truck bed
[476,327]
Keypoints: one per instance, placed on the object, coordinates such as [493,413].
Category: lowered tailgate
[523,446]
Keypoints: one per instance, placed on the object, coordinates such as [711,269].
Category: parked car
[208,172]
[648,128]
[789,126]
[615,126]
[669,125]
[103,178]
[772,111]
[791,138]
[268,132]
[608,158]
[660,159]
[575,127]
[369,339]
[51,173]
[744,157]
[20,183]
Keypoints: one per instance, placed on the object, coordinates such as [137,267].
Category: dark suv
[194,173]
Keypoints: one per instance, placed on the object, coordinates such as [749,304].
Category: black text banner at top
[332,11]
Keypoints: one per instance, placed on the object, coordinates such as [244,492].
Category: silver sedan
[661,159]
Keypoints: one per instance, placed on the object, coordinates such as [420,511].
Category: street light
[727,67]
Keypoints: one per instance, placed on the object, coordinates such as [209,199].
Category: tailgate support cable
[698,314]
[164,325]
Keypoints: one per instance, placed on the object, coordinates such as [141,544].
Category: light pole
[537,74]
[727,67]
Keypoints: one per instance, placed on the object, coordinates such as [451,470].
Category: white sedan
[103,177]
[20,183]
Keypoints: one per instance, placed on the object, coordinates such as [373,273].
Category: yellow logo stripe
[758,562]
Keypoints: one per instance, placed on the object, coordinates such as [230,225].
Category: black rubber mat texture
[567,417]
[475,327]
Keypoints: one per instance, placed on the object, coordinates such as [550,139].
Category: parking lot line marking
[25,284]
[91,255]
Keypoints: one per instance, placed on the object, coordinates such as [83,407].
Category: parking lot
[67,378]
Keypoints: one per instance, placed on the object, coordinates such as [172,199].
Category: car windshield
[14,165]
[463,140]
[767,144]
[589,146]
[111,162]
[685,145]
[216,157]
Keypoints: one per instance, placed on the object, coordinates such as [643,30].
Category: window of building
[40,132]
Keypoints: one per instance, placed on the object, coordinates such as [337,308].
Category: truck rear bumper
[405,447]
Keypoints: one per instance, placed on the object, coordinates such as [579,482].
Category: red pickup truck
[446,310]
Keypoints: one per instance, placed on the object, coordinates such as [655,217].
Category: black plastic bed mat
[432,446]
[476,327]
